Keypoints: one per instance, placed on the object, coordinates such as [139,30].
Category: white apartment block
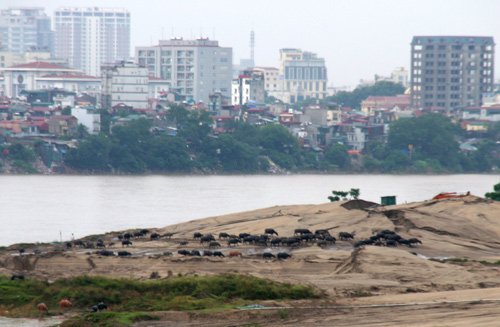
[194,68]
[24,28]
[91,36]
[304,76]
[89,118]
[126,83]
[248,88]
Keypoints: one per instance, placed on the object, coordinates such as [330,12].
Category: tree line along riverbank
[427,144]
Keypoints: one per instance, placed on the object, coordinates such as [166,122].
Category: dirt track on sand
[467,228]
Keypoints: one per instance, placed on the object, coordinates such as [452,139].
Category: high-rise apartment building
[451,71]
[302,76]
[25,28]
[90,37]
[194,68]
[126,83]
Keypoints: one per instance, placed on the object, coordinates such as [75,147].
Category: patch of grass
[490,263]
[25,166]
[283,314]
[455,260]
[131,296]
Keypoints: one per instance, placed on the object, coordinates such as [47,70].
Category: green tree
[91,154]
[82,131]
[236,156]
[17,151]
[396,161]
[353,193]
[354,98]
[337,155]
[105,121]
[281,146]
[429,136]
[66,111]
[243,132]
[168,153]
[495,195]
[483,159]
[277,138]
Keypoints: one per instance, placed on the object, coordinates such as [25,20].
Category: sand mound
[466,228]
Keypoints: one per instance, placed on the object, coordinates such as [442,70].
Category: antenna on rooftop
[252,46]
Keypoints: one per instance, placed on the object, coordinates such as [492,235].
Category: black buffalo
[270,231]
[268,255]
[283,256]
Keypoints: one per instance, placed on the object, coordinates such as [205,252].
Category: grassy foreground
[130,300]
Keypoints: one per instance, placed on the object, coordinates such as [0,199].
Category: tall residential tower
[194,68]
[25,28]
[90,37]
[451,71]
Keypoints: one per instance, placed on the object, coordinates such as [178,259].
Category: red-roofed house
[25,76]
[20,128]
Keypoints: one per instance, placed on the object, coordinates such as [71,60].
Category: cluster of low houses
[37,112]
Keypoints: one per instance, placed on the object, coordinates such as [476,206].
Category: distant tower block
[252,47]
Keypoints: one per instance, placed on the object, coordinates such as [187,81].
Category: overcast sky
[357,38]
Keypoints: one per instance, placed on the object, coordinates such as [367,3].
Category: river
[51,208]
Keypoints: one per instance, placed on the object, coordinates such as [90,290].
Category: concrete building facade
[303,75]
[24,28]
[451,71]
[26,76]
[271,77]
[89,118]
[91,36]
[194,68]
[248,88]
[125,83]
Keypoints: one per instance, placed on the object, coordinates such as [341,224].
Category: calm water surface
[51,208]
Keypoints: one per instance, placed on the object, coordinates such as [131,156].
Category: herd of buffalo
[269,239]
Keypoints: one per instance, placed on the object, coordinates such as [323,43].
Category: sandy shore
[441,293]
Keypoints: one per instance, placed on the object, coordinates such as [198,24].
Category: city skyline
[358,39]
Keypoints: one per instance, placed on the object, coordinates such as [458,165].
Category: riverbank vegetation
[427,144]
[130,300]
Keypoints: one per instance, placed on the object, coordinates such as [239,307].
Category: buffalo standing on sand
[283,256]
[233,241]
[346,236]
[270,231]
[268,255]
